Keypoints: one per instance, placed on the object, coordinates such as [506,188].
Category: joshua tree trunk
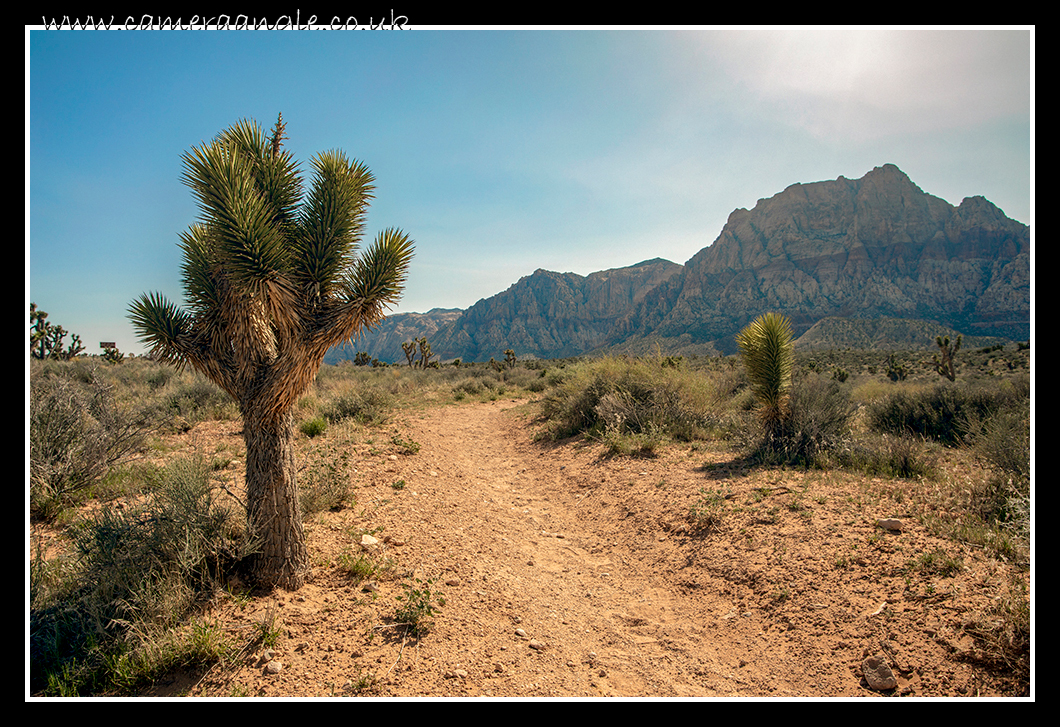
[274,515]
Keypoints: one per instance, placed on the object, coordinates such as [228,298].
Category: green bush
[888,456]
[629,396]
[77,433]
[96,614]
[314,427]
[946,412]
[418,606]
[369,405]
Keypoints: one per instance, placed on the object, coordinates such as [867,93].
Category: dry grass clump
[102,616]
[78,432]
[626,400]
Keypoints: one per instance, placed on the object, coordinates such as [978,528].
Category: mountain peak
[876,246]
[889,176]
[890,170]
[873,247]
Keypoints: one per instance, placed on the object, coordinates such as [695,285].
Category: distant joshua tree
[409,347]
[273,280]
[425,352]
[46,339]
[944,366]
[896,370]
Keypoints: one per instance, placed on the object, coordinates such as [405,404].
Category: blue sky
[501,151]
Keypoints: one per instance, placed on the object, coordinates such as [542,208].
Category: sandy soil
[567,573]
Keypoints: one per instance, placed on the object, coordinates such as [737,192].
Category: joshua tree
[272,280]
[896,371]
[409,347]
[425,352]
[113,355]
[944,367]
[38,332]
[46,339]
[767,351]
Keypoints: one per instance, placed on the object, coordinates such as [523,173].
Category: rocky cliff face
[552,315]
[875,246]
[384,343]
[865,248]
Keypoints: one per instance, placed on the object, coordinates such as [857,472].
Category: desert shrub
[628,396]
[523,378]
[1003,635]
[180,529]
[324,481]
[314,427]
[886,455]
[369,405]
[77,433]
[945,412]
[470,385]
[1002,443]
[192,398]
[95,614]
[537,384]
[159,375]
[642,443]
[816,426]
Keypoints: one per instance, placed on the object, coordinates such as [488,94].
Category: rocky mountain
[864,248]
[384,342]
[868,248]
[885,334]
[543,315]
[552,315]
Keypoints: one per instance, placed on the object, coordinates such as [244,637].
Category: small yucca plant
[768,355]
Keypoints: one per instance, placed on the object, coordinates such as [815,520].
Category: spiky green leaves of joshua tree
[273,279]
[768,356]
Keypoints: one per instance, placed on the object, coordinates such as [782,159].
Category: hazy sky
[501,151]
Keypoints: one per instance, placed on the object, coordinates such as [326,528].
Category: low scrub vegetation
[102,616]
[639,400]
[867,423]
[945,412]
[114,601]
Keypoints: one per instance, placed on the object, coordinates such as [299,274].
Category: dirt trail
[570,574]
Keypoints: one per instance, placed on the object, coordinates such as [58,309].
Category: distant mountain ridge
[553,315]
[384,341]
[869,248]
[886,334]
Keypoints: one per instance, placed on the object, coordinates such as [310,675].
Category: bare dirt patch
[568,573]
